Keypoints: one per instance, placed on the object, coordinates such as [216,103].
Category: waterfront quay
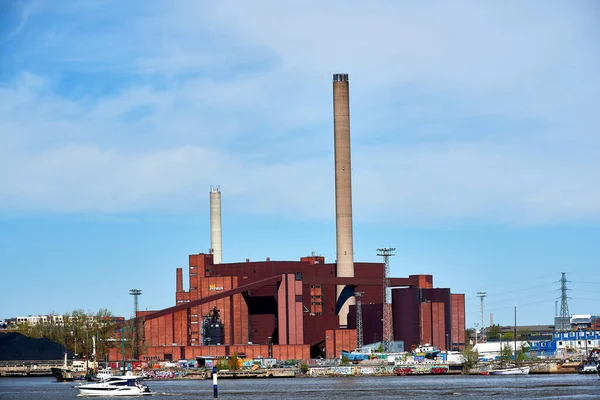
[28,368]
[439,387]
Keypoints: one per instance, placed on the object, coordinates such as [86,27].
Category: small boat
[589,367]
[510,371]
[99,376]
[62,374]
[117,385]
[426,350]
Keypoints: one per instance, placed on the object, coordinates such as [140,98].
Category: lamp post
[500,337]
[123,347]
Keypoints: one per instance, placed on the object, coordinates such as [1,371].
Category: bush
[470,358]
[304,367]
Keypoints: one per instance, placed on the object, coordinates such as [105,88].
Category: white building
[41,319]
[492,350]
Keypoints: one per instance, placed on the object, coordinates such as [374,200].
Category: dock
[259,373]
[28,368]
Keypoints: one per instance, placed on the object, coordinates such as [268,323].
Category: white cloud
[240,96]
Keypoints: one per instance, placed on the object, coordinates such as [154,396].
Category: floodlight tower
[388,334]
[481,296]
[359,322]
[136,338]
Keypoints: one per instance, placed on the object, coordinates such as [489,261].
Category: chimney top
[340,77]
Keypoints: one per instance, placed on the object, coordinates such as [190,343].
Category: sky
[475,145]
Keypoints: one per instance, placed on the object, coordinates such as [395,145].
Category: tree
[233,362]
[493,332]
[380,348]
[470,333]
[304,367]
[105,329]
[507,353]
[523,352]
[470,357]
[76,331]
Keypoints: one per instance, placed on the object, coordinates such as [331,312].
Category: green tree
[76,332]
[222,364]
[493,332]
[380,348]
[522,333]
[469,333]
[523,353]
[507,353]
[105,329]
[303,367]
[233,362]
[470,357]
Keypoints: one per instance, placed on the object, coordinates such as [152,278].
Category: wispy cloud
[463,110]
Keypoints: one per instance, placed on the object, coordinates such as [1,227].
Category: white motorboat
[510,371]
[117,385]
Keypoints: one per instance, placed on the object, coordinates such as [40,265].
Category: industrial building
[299,309]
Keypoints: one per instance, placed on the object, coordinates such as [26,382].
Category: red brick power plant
[298,309]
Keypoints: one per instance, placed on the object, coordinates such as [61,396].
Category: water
[373,388]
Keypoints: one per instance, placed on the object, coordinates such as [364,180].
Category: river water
[570,386]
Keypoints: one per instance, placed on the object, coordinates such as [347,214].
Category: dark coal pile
[14,346]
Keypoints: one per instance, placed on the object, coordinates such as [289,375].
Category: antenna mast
[388,333]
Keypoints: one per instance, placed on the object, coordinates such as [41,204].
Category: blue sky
[475,145]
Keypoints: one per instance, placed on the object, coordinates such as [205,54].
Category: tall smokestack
[215,224]
[343,191]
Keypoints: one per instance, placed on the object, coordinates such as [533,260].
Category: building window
[316,300]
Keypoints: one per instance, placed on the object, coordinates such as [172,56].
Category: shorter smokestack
[215,224]
[179,285]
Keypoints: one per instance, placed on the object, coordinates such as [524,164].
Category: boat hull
[114,392]
[511,371]
[420,369]
[62,374]
[128,385]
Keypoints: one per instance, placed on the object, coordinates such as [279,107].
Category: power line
[581,298]
[529,288]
